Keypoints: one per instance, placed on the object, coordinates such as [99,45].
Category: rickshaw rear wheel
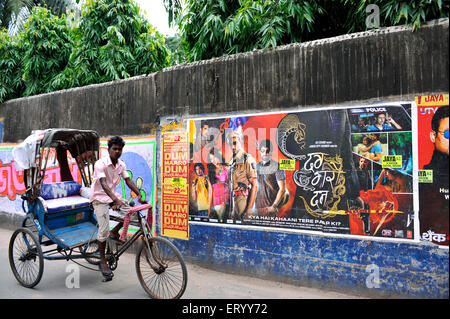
[26,258]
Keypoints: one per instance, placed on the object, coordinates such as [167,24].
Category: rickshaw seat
[69,218]
[63,196]
[66,203]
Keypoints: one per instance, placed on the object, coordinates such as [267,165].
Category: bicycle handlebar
[139,207]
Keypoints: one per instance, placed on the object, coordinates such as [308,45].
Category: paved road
[202,283]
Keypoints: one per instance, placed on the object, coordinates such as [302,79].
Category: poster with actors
[433,152]
[336,170]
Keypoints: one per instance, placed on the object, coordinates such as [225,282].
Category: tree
[392,12]
[14,13]
[173,44]
[31,59]
[112,41]
[47,45]
[214,28]
[173,8]
[10,11]
[11,69]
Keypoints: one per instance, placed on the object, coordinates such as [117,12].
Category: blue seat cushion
[59,190]
[66,203]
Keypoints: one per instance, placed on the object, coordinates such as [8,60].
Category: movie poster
[433,151]
[346,171]
[174,188]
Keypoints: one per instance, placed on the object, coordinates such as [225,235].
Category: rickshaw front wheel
[29,223]
[26,258]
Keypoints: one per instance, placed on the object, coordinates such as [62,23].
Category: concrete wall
[365,267]
[386,64]
[374,65]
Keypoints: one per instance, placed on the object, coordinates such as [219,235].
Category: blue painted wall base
[358,266]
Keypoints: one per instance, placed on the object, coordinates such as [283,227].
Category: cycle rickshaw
[60,223]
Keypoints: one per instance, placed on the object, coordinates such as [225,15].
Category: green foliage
[392,12]
[173,8]
[47,46]
[33,58]
[112,41]
[214,28]
[173,44]
[14,13]
[11,70]
[203,28]
[263,24]
[10,11]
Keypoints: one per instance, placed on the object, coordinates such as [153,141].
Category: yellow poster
[174,192]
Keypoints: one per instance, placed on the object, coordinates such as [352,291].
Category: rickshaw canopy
[76,141]
[32,154]
[66,138]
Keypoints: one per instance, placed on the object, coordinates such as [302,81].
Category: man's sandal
[108,274]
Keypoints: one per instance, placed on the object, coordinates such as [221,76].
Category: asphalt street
[66,280]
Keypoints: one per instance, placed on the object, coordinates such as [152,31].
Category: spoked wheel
[162,271]
[25,257]
[91,251]
[28,223]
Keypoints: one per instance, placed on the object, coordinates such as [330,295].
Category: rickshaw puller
[107,171]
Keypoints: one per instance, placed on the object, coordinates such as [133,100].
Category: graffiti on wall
[138,155]
[11,181]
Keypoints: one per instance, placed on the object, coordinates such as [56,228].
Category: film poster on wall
[433,152]
[174,182]
[340,170]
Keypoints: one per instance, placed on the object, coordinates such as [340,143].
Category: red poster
[342,170]
[433,144]
[174,192]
